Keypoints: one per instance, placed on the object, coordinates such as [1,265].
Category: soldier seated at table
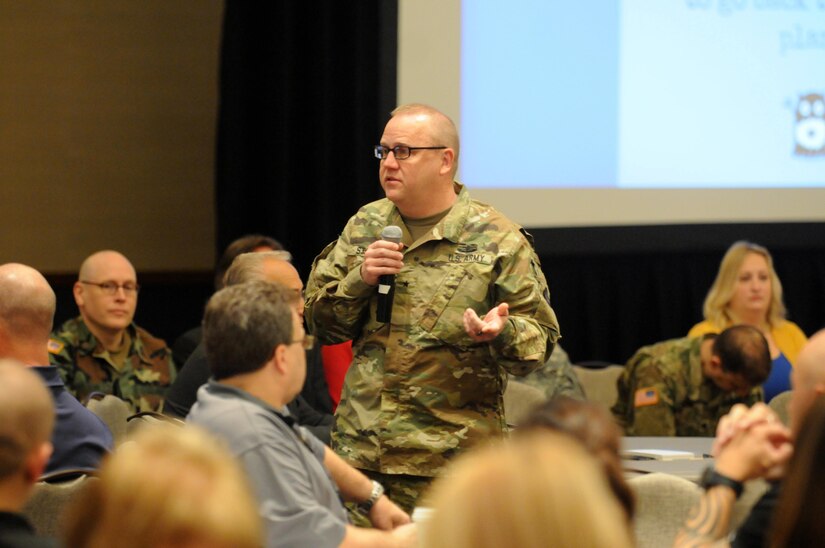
[682,387]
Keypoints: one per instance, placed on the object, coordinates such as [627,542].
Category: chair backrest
[519,401]
[779,404]
[114,412]
[49,498]
[663,502]
[599,384]
[148,419]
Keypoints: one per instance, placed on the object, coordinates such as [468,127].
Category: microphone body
[386,283]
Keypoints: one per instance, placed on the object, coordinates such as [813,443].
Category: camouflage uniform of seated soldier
[103,350]
[682,387]
[555,378]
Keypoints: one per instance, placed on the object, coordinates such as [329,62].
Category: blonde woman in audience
[533,491]
[171,487]
[747,291]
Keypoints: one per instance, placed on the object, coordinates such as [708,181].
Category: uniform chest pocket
[461,288]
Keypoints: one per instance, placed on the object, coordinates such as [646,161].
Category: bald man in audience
[27,305]
[269,266]
[752,443]
[26,421]
[103,350]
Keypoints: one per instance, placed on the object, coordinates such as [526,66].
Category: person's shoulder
[72,330]
[377,208]
[664,355]
[149,341]
[790,329]
[70,336]
[703,328]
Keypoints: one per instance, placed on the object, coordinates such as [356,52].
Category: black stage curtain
[305,91]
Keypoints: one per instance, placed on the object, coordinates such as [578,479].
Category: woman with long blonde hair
[748,291]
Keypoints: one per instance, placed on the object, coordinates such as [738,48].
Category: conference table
[679,456]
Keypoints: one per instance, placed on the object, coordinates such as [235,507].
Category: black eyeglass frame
[381,152]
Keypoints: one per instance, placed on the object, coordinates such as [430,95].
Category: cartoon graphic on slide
[810,125]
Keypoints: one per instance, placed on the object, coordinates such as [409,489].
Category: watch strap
[711,478]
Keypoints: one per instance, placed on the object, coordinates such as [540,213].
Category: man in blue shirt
[27,305]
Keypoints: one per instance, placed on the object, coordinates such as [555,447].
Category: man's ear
[447,161]
[279,359]
[77,291]
[36,462]
[715,365]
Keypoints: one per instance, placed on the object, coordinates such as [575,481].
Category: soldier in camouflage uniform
[555,378]
[103,350]
[429,383]
[682,387]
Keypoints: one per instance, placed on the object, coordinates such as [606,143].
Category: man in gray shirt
[255,345]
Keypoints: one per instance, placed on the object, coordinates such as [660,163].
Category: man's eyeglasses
[308,342]
[401,152]
[110,288]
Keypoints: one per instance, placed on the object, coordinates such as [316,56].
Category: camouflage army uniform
[555,378]
[86,366]
[663,392]
[419,390]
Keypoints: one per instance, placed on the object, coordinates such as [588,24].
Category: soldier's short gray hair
[249,267]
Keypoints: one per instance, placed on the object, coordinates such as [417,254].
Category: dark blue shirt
[780,378]
[80,437]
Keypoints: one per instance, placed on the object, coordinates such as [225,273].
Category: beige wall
[107,131]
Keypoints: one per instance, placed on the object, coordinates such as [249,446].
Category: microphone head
[391,233]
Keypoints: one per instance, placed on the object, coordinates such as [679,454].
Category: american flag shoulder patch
[646,396]
[55,347]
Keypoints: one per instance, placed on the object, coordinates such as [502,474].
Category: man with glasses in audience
[470,304]
[103,350]
[255,346]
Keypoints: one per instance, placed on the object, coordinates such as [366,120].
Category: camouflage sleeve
[337,299]
[61,357]
[532,329]
[648,406]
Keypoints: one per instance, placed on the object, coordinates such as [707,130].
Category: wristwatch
[710,478]
[375,494]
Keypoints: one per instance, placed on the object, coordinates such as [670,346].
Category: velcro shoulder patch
[646,396]
[55,347]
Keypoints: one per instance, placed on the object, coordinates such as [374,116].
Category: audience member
[533,492]
[799,516]
[254,343]
[185,344]
[168,487]
[682,387]
[427,384]
[555,378]
[747,291]
[26,420]
[752,443]
[27,304]
[267,266]
[594,427]
[103,350]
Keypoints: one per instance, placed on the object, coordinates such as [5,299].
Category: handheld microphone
[386,283]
